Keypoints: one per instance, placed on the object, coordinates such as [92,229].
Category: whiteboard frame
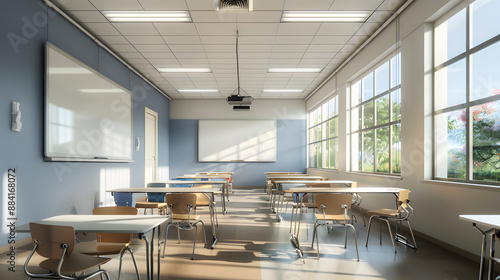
[270,123]
[67,158]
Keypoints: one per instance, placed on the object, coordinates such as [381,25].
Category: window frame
[357,133]
[469,103]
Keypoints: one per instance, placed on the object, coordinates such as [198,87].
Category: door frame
[150,112]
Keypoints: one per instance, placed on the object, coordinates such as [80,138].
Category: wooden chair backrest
[114,210]
[333,202]
[180,202]
[49,239]
[403,198]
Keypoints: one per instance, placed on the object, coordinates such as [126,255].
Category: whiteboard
[237,140]
[87,116]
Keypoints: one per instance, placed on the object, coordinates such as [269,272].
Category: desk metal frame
[225,183]
[139,224]
[493,223]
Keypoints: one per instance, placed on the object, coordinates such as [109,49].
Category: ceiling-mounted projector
[239,100]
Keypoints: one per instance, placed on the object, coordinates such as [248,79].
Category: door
[150,145]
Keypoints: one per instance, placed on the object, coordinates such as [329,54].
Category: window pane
[324,130]
[324,109]
[318,133]
[450,134]
[450,38]
[333,149]
[356,119]
[312,161]
[368,115]
[312,135]
[382,135]
[368,86]
[396,105]
[317,155]
[368,153]
[450,85]
[332,107]
[395,70]
[383,109]
[485,14]
[485,72]
[355,152]
[486,141]
[382,78]
[356,93]
[333,127]
[396,149]
[324,154]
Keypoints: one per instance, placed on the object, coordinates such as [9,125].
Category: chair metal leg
[314,233]
[390,234]
[194,243]
[355,239]
[178,236]
[412,236]
[165,244]
[368,233]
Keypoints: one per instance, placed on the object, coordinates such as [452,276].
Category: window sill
[324,169]
[462,184]
[395,177]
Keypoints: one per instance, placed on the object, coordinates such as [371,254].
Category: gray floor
[253,245]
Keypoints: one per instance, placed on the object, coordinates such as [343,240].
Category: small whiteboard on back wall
[237,140]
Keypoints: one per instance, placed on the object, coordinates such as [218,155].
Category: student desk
[198,177]
[493,223]
[139,224]
[209,192]
[294,237]
[295,177]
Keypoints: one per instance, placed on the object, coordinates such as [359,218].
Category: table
[289,177]
[205,191]
[225,187]
[493,223]
[139,224]
[294,237]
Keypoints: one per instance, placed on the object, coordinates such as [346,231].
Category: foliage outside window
[467,94]
[323,135]
[376,120]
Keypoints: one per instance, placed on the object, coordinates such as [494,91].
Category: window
[376,120]
[323,135]
[467,94]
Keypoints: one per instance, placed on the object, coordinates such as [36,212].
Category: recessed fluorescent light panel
[325,16]
[147,16]
[184,70]
[198,90]
[282,90]
[294,70]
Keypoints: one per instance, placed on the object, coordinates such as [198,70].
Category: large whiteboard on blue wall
[88,117]
[237,140]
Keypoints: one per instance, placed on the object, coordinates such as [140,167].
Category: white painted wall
[261,109]
[437,204]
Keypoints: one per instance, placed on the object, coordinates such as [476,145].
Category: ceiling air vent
[233,5]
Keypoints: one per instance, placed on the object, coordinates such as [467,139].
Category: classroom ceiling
[209,41]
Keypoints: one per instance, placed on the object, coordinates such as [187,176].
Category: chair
[110,243]
[335,208]
[153,200]
[402,213]
[56,244]
[123,199]
[356,201]
[180,208]
[203,200]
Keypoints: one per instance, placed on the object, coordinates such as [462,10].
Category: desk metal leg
[492,254]
[160,235]
[295,236]
[212,214]
[148,263]
[483,248]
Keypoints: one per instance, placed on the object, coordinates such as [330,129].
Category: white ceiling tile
[225,61]
[123,48]
[212,16]
[115,5]
[356,5]
[255,48]
[293,40]
[329,40]
[191,55]
[194,5]
[308,5]
[176,29]
[379,16]
[290,48]
[214,55]
[283,61]
[101,28]
[152,48]
[88,16]
[275,55]
[259,16]
[163,62]
[259,5]
[113,40]
[158,55]
[357,40]
[368,29]
[131,55]
[145,40]
[170,5]
[220,48]
[296,29]
[391,5]
[246,55]
[217,29]
[182,40]
[338,28]
[256,40]
[136,28]
[187,48]
[194,61]
[324,48]
[319,55]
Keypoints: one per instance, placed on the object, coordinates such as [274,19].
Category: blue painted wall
[291,154]
[53,188]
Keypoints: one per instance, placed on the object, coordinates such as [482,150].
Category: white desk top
[346,190]
[294,177]
[214,173]
[103,223]
[166,190]
[314,182]
[492,221]
[285,173]
[179,182]
[200,176]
